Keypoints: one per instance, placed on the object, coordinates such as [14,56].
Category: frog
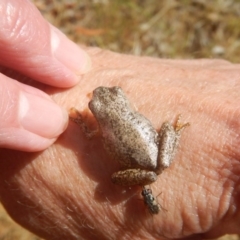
[130,138]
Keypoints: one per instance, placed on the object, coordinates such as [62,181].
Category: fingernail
[41,116]
[68,53]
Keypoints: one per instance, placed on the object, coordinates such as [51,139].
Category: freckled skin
[130,138]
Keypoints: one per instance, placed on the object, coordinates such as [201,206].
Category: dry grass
[166,29]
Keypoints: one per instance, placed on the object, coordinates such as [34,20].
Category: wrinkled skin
[65,192]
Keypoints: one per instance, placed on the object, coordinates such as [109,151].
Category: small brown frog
[130,138]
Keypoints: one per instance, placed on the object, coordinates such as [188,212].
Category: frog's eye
[94,106]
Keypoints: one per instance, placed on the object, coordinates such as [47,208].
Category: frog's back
[127,135]
[132,141]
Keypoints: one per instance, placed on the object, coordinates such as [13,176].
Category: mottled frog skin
[130,138]
[127,135]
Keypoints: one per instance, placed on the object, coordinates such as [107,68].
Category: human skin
[65,192]
[34,48]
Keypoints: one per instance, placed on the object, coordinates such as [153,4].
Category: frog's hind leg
[169,136]
[130,177]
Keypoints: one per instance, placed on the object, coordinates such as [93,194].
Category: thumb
[29,119]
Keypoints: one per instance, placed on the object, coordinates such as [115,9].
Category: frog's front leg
[77,117]
[169,137]
[131,177]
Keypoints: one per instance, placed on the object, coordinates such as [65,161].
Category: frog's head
[106,100]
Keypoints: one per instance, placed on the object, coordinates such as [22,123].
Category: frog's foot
[77,117]
[131,177]
[180,126]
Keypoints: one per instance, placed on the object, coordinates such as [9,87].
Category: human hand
[65,192]
[30,120]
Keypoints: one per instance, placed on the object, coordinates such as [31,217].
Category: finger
[30,45]
[29,119]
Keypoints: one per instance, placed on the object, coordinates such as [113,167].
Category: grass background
[186,29]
